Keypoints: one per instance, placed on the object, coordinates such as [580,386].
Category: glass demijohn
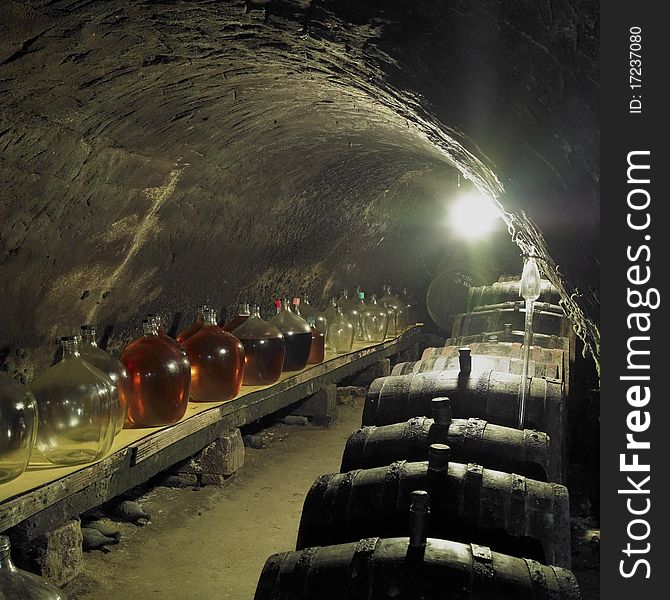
[297,337]
[217,362]
[76,404]
[18,428]
[113,367]
[317,351]
[309,310]
[374,321]
[17,584]
[263,349]
[331,310]
[397,312]
[160,376]
[340,333]
[411,306]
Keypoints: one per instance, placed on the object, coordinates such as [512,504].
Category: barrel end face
[267,586]
[312,512]
[372,402]
[354,449]
[567,584]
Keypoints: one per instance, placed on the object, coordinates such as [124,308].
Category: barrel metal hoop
[538,581]
[359,437]
[391,490]
[301,572]
[481,392]
[414,428]
[432,381]
[517,525]
[482,569]
[360,567]
[474,433]
[472,490]
[343,496]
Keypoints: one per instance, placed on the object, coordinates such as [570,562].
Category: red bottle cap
[277,303]
[296,302]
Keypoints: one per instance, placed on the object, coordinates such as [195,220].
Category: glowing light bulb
[473,215]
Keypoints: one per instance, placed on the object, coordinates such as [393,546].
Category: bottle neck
[70,347]
[210,317]
[277,306]
[333,301]
[6,554]
[243,310]
[201,314]
[150,327]
[88,335]
[256,311]
[373,300]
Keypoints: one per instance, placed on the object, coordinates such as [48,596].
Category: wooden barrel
[507,290]
[525,452]
[480,362]
[509,335]
[512,514]
[379,569]
[544,362]
[487,319]
[490,395]
[520,304]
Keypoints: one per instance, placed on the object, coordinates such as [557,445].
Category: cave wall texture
[158,154]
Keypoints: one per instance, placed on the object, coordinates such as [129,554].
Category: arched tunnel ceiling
[158,153]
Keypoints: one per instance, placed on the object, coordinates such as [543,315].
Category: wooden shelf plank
[138,454]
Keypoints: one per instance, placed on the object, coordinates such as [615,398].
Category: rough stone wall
[158,154]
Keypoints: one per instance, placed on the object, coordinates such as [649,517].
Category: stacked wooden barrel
[440,493]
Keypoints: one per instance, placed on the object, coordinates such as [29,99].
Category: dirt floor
[212,542]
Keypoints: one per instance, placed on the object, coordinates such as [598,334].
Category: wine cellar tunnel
[161,154]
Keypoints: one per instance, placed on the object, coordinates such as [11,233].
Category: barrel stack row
[440,494]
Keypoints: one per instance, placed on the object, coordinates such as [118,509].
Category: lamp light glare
[474,215]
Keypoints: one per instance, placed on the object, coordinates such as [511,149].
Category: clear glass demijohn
[340,332]
[375,321]
[309,310]
[17,584]
[18,427]
[76,404]
[397,312]
[411,306]
[113,367]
